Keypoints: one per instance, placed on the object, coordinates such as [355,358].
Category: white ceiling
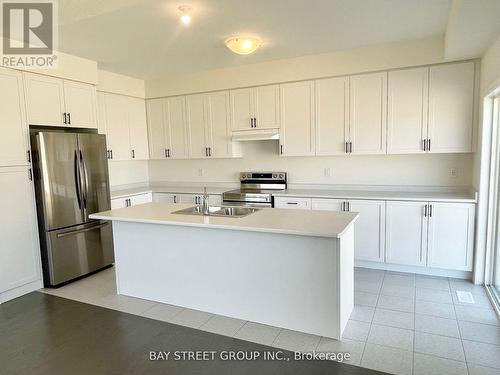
[143,38]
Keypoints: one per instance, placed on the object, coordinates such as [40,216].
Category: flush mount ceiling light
[243,45]
[185,17]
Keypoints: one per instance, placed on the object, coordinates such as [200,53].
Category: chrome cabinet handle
[133,154]
[175,198]
[350,147]
[210,151]
[281,149]
[65,118]
[425,211]
[69,118]
[294,203]
[346,147]
[430,210]
[255,122]
[111,152]
[428,144]
[206,151]
[424,142]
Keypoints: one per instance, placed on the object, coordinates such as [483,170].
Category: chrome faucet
[205,204]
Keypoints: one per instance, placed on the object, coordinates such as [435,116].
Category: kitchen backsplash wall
[411,170]
[128,172]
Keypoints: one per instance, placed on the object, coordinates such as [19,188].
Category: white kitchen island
[286,268]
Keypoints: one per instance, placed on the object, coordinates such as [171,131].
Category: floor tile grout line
[414,327]
[461,340]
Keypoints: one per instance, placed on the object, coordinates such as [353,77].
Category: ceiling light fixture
[243,45]
[185,16]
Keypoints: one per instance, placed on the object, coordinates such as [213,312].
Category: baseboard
[415,269]
[20,291]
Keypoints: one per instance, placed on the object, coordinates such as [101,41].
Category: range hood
[256,135]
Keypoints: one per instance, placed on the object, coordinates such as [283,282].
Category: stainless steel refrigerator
[71,182]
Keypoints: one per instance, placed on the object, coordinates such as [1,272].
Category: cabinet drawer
[293,203]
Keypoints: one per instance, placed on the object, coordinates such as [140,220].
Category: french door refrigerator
[71,182]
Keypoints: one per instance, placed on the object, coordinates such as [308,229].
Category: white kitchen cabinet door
[406,233]
[117,128]
[196,119]
[369,230]
[332,115]
[101,113]
[451,102]
[267,107]
[175,132]
[138,127]
[215,200]
[14,139]
[407,110]
[163,197]
[188,198]
[156,128]
[327,204]
[292,203]
[80,104]
[297,119]
[140,199]
[242,108]
[119,203]
[44,100]
[367,113]
[218,128]
[19,251]
[451,236]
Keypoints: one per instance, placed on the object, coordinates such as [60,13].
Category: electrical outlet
[453,172]
[200,172]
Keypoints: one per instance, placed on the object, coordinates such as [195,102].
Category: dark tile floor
[43,334]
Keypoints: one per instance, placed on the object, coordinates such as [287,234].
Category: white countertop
[461,197]
[296,222]
[434,196]
[121,193]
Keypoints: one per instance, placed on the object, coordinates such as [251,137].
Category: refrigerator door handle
[85,180]
[82,230]
[78,181]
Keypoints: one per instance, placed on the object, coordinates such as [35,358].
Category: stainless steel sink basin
[222,211]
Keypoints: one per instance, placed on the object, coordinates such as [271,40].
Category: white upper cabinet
[369,229]
[176,128]
[101,113]
[14,140]
[156,128]
[297,119]
[167,128]
[267,107]
[407,110]
[125,126]
[255,108]
[56,102]
[80,104]
[208,119]
[332,115]
[451,236]
[242,109]
[451,102]
[19,252]
[138,127]
[44,100]
[196,118]
[367,113]
[406,233]
[117,132]
[218,133]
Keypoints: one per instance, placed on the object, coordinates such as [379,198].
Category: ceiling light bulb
[185,16]
[186,19]
[243,45]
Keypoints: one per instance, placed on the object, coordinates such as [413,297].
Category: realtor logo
[29,33]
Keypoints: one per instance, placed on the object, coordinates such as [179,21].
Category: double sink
[221,211]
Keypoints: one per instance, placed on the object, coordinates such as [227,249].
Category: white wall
[120,84]
[410,170]
[379,57]
[128,172]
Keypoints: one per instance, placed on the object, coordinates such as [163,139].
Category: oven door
[247,204]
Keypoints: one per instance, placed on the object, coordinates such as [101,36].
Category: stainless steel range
[256,189]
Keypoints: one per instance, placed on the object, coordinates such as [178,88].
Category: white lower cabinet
[292,203]
[19,250]
[432,234]
[369,233]
[132,200]
[451,236]
[406,233]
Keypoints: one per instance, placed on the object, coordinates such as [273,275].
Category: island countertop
[272,220]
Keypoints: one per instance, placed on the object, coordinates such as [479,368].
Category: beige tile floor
[401,323]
